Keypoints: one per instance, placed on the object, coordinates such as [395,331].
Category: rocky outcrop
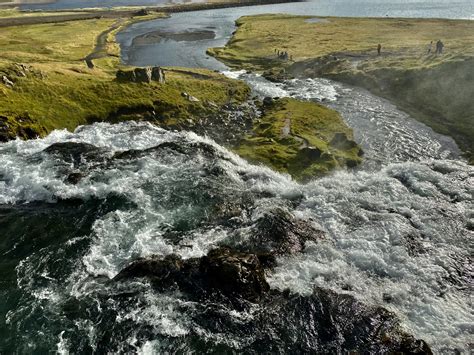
[340,141]
[276,75]
[323,322]
[222,271]
[278,232]
[141,75]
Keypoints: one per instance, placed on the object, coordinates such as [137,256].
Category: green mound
[303,139]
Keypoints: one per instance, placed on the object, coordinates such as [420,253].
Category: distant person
[379,49]
[430,47]
[441,47]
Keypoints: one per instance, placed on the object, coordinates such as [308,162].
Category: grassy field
[53,88]
[294,137]
[436,89]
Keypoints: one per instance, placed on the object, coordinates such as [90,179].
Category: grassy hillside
[53,88]
[436,89]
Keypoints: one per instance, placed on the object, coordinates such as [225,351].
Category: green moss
[294,137]
[57,90]
[65,98]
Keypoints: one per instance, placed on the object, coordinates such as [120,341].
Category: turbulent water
[76,208]
[398,237]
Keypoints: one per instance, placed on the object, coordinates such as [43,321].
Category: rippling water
[397,237]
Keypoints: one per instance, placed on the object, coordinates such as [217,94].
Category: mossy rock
[294,137]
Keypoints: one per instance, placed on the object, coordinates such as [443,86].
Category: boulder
[278,232]
[189,97]
[158,74]
[7,82]
[143,75]
[223,271]
[125,75]
[235,274]
[340,141]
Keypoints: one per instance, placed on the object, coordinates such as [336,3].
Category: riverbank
[435,89]
[63,75]
[57,76]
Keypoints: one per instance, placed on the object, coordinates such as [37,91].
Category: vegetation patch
[303,139]
[49,86]
[435,88]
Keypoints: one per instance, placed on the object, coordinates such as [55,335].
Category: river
[398,229]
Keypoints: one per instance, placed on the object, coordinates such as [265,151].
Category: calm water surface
[463,9]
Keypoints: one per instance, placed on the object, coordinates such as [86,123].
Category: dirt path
[100,49]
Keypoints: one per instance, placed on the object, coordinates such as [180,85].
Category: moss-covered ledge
[303,139]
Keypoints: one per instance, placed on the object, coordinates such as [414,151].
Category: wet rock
[75,153]
[340,141]
[279,233]
[327,322]
[74,178]
[230,273]
[237,274]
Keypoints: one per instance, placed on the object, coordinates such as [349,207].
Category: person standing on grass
[430,47]
[379,49]
[441,46]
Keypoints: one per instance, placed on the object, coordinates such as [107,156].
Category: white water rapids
[399,236]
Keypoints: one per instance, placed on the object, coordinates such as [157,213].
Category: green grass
[59,91]
[435,89]
[309,124]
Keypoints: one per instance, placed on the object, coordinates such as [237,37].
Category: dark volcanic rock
[327,322]
[278,233]
[236,274]
[233,274]
[323,322]
[72,152]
